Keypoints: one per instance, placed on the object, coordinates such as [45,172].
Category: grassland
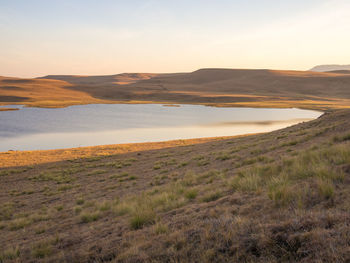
[20,158]
[215,87]
[41,93]
[282,196]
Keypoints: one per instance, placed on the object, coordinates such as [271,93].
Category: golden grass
[267,197]
[22,158]
[214,87]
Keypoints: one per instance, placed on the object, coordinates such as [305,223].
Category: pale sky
[41,37]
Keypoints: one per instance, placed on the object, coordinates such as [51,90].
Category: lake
[99,124]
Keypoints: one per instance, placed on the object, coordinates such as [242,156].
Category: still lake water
[99,124]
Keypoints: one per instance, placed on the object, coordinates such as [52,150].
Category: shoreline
[15,158]
[310,105]
[23,158]
[210,87]
[8,109]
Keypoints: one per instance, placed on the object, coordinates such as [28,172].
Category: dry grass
[256,199]
[28,158]
[218,87]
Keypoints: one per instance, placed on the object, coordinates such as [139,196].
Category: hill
[276,197]
[334,67]
[119,79]
[340,71]
[41,93]
[217,87]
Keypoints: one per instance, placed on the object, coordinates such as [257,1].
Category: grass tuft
[89,217]
[325,188]
[191,194]
[80,201]
[141,217]
[19,223]
[211,196]
[161,228]
[42,250]
[9,254]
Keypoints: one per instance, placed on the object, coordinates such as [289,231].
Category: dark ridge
[13,98]
[10,88]
[339,71]
[325,68]
[17,80]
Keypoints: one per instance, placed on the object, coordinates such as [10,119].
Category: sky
[100,37]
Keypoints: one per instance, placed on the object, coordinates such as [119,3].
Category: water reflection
[88,125]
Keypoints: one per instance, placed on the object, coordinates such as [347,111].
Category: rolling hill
[333,67]
[281,196]
[217,87]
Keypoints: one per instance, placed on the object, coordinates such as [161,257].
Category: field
[215,87]
[270,183]
[282,196]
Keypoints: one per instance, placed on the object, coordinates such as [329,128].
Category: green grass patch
[89,217]
[6,211]
[191,194]
[104,206]
[141,217]
[290,182]
[59,208]
[19,223]
[341,138]
[80,201]
[42,250]
[119,176]
[96,172]
[13,171]
[9,254]
[325,188]
[60,177]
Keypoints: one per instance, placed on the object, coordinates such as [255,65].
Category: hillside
[340,71]
[217,87]
[119,79]
[43,93]
[334,67]
[276,197]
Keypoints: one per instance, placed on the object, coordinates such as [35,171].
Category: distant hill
[121,79]
[340,71]
[325,68]
[215,86]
